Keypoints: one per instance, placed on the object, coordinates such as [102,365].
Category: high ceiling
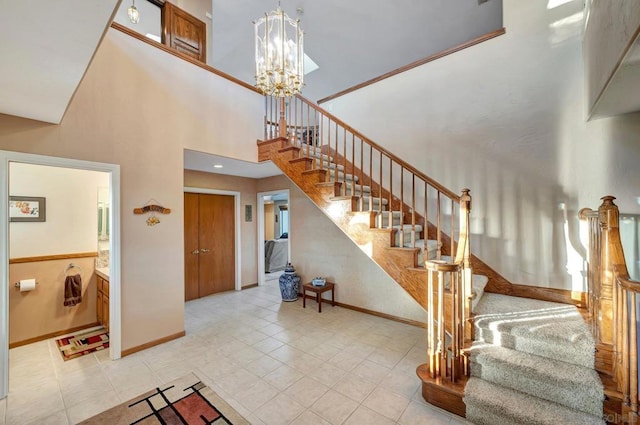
[46,48]
[352,41]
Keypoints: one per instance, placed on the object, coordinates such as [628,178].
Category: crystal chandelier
[132,12]
[279,54]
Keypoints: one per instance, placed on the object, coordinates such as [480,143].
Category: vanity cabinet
[102,302]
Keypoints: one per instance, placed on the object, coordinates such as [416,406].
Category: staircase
[496,359]
[532,363]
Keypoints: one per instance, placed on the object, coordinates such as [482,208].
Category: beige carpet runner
[532,363]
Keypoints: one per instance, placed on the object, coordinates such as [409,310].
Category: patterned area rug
[83,342]
[185,401]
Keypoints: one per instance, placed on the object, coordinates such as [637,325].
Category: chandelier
[132,12]
[279,54]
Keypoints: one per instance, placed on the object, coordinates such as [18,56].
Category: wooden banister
[381,149]
[398,198]
[613,302]
[449,298]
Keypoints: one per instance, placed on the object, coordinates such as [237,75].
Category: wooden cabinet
[102,302]
[184,32]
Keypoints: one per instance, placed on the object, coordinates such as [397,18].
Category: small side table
[319,290]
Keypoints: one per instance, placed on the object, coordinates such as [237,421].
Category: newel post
[463,256]
[609,225]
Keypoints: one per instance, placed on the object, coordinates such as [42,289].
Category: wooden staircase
[411,226]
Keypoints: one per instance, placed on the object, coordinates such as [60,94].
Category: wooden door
[184,32]
[209,244]
[191,252]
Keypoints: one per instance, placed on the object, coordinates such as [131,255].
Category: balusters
[438,228]
[380,191]
[362,174]
[633,360]
[451,232]
[413,212]
[401,207]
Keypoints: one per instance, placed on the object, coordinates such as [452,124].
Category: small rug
[185,401]
[83,342]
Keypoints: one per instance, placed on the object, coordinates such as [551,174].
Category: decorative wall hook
[152,208]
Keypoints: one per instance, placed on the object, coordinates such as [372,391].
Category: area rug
[83,342]
[185,401]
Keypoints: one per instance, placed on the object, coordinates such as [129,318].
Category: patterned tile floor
[275,362]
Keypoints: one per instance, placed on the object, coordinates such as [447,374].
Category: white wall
[506,119]
[151,17]
[140,107]
[71,224]
[150,20]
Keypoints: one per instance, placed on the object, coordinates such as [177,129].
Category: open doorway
[274,249]
[54,212]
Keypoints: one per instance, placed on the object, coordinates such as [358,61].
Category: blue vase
[289,284]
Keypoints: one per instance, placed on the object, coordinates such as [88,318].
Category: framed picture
[27,208]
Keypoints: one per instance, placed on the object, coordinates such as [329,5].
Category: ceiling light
[279,54]
[218,165]
[132,12]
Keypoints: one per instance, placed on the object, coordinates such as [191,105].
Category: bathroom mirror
[103,214]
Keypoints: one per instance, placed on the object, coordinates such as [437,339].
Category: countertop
[103,272]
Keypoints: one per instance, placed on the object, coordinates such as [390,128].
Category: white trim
[260,218]
[115,327]
[238,222]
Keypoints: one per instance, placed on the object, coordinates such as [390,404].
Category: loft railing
[409,194]
[613,301]
[420,203]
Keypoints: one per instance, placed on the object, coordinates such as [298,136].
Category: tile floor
[275,362]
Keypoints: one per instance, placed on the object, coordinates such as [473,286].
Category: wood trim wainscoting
[182,56]
[153,343]
[52,335]
[431,58]
[52,257]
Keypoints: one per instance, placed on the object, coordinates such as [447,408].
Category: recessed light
[218,165]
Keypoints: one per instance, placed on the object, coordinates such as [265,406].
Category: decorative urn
[289,284]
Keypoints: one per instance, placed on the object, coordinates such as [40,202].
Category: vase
[289,284]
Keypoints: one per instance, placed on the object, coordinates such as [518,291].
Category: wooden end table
[319,290]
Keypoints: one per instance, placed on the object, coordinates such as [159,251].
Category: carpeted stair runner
[532,363]
[492,404]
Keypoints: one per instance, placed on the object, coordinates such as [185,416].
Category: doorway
[218,268]
[274,247]
[8,157]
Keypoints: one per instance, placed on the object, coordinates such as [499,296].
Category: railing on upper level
[613,301]
[425,207]
[422,202]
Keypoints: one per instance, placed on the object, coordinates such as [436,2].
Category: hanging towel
[72,290]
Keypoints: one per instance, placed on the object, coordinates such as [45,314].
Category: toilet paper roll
[27,285]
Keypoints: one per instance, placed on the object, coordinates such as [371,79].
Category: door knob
[204,250]
[196,252]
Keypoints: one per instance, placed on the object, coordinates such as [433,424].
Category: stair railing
[449,298]
[426,208]
[406,194]
[613,301]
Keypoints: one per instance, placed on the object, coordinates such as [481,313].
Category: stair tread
[342,176]
[503,405]
[543,328]
[574,386]
[408,227]
[420,243]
